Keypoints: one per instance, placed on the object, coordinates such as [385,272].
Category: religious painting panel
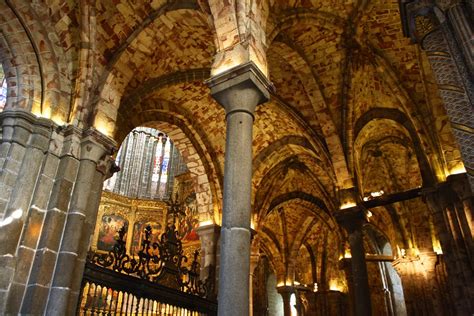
[139,234]
[189,221]
[109,227]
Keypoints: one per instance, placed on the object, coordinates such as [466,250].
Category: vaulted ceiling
[354,104]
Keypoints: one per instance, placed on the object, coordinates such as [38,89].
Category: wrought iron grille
[160,262]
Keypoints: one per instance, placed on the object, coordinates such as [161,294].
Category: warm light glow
[101,126]
[45,114]
[377,193]
[231,61]
[347,205]
[369,214]
[373,195]
[347,253]
[334,285]
[58,120]
[296,283]
[403,253]
[315,288]
[252,225]
[438,249]
[205,223]
[459,168]
[281,284]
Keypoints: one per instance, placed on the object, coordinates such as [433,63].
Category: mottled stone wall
[50,183]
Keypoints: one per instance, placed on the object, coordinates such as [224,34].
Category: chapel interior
[237,157]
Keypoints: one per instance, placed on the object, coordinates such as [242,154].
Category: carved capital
[418,18]
[240,89]
[352,219]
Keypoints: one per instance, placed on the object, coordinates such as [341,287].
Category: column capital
[351,219]
[210,230]
[418,18]
[241,88]
[285,289]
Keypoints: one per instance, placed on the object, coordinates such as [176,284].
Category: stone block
[15,296]
[17,152]
[58,300]
[52,230]
[6,272]
[43,267]
[32,229]
[67,168]
[73,232]
[64,269]
[43,192]
[61,195]
[24,261]
[35,299]
[21,135]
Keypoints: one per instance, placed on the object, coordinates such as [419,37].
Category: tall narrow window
[3,89]
[148,163]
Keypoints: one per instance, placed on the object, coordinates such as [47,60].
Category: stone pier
[50,185]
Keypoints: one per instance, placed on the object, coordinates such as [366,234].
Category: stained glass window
[148,163]
[3,89]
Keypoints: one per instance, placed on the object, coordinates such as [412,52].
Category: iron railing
[156,281]
[107,292]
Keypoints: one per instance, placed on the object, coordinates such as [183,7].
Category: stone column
[239,90]
[447,39]
[50,208]
[94,168]
[452,217]
[422,291]
[352,220]
[458,17]
[24,161]
[285,292]
[254,259]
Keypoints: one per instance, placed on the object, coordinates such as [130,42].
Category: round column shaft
[352,221]
[239,90]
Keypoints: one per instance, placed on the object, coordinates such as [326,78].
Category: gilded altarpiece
[116,211]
